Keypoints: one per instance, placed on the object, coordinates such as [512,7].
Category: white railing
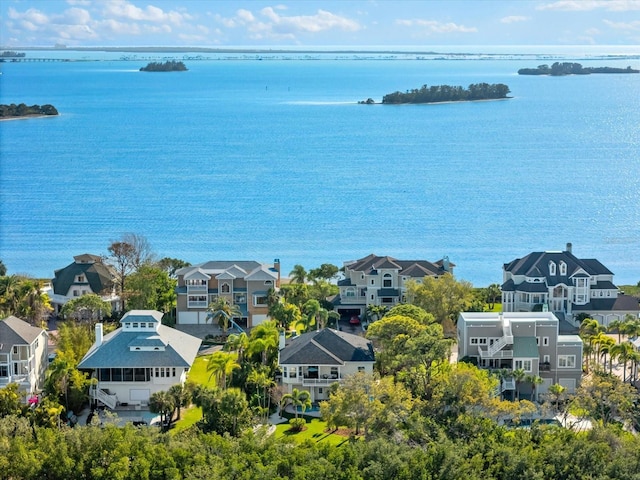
[197,288]
[109,400]
[508,384]
[197,304]
[310,382]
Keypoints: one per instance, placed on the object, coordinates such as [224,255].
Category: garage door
[569,384]
[187,318]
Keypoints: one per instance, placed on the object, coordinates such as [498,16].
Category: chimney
[281,341]
[569,247]
[98,334]
[276,266]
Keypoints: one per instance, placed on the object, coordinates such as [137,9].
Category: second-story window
[552,268]
[225,288]
[386,280]
[563,268]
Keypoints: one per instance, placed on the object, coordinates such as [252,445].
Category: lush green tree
[3,269]
[23,298]
[299,399]
[411,311]
[443,297]
[223,312]
[164,404]
[622,352]
[519,376]
[66,383]
[181,395]
[263,382]
[171,265]
[326,271]
[298,274]
[223,411]
[127,255]
[11,400]
[150,288]
[492,294]
[74,339]
[87,308]
[285,314]
[310,311]
[263,342]
[237,343]
[376,312]
[557,392]
[221,365]
[606,398]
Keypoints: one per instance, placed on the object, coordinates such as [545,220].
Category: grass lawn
[198,373]
[189,416]
[315,431]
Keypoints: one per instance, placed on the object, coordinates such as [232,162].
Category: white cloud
[625,26]
[83,3]
[514,19]
[588,5]
[129,11]
[433,26]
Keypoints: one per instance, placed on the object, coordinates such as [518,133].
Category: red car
[355,320]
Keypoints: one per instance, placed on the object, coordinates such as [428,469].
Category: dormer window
[268,282]
[563,268]
[552,268]
[81,279]
[225,288]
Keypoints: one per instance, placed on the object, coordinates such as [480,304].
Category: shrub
[297,424]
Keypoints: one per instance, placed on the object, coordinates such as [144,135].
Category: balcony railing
[197,304]
[311,382]
[197,289]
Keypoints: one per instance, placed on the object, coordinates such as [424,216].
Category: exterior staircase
[107,399]
[497,346]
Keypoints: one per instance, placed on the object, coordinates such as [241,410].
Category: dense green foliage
[168,66]
[23,110]
[448,93]
[571,68]
[22,297]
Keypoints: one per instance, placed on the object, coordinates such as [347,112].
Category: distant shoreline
[26,117]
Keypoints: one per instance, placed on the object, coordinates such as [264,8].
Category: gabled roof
[327,347]
[175,348]
[536,264]
[623,303]
[197,274]
[99,275]
[262,273]
[410,268]
[14,331]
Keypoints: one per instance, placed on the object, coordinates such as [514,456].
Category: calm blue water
[274,159]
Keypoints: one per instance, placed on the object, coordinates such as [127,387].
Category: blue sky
[218,23]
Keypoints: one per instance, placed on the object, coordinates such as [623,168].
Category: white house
[315,360]
[138,359]
[23,355]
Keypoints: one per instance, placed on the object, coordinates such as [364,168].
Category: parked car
[355,320]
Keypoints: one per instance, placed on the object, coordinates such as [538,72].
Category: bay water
[257,159]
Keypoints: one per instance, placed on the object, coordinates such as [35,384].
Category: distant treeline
[448,93]
[11,53]
[168,66]
[23,110]
[569,68]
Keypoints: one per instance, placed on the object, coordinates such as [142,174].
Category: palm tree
[492,292]
[535,380]
[221,365]
[181,396]
[634,359]
[298,274]
[631,326]
[589,328]
[311,308]
[599,341]
[237,343]
[518,375]
[264,340]
[616,326]
[556,390]
[162,403]
[222,312]
[261,379]
[622,351]
[297,398]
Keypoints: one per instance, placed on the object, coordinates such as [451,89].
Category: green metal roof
[525,347]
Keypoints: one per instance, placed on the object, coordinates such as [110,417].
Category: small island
[168,66]
[568,68]
[22,110]
[445,93]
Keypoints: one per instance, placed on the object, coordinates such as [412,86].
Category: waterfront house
[242,283]
[23,355]
[138,359]
[381,281]
[315,360]
[521,340]
[87,274]
[559,282]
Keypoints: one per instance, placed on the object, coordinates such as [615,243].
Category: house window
[522,364]
[15,349]
[81,279]
[546,359]
[239,298]
[135,324]
[260,300]
[387,300]
[4,371]
[360,369]
[292,372]
[320,391]
[268,282]
[538,341]
[350,292]
[373,281]
[334,372]
[386,281]
[371,297]
[545,341]
[552,268]
[225,288]
[566,361]
[478,340]
[76,293]
[196,301]
[563,268]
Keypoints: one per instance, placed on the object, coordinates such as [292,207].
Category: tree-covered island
[23,110]
[168,66]
[569,68]
[446,93]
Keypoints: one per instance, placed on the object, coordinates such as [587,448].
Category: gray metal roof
[99,276]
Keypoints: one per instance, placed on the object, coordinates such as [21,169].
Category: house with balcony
[242,283]
[87,274]
[559,282]
[138,359]
[382,281]
[23,355]
[315,360]
[521,340]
